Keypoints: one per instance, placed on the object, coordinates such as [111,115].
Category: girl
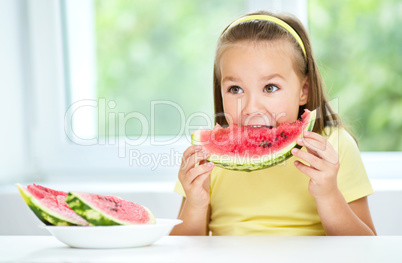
[265,74]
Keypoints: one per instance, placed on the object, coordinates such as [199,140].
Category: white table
[385,249]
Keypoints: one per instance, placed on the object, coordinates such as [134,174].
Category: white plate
[113,236]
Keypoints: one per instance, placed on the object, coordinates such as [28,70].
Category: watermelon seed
[283,134]
[109,200]
[264,144]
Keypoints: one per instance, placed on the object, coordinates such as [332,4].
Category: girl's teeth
[259,126]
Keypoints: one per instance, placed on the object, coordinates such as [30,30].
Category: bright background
[358,45]
[163,50]
[124,55]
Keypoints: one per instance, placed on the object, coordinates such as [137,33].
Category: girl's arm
[341,219]
[194,176]
[195,221]
[337,216]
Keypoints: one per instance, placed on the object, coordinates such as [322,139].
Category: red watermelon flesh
[250,140]
[42,192]
[108,210]
[53,202]
[248,148]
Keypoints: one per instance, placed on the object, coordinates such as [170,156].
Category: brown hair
[264,30]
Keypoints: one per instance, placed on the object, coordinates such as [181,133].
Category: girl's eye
[235,90]
[270,88]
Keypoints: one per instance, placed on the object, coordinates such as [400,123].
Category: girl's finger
[200,179]
[315,142]
[191,150]
[307,170]
[325,151]
[193,173]
[196,157]
[315,136]
[187,164]
[328,154]
[310,148]
[314,161]
[312,144]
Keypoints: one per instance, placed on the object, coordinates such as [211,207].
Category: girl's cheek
[229,108]
[232,116]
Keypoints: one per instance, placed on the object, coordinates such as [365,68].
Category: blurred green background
[358,45]
[163,51]
[153,50]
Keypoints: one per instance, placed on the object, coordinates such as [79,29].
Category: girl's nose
[252,105]
[254,112]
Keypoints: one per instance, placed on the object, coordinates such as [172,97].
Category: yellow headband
[274,20]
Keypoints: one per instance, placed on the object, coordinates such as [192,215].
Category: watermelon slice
[49,206]
[247,148]
[108,210]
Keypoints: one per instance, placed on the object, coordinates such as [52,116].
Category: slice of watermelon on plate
[103,210]
[49,205]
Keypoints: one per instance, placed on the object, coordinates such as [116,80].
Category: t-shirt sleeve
[353,181]
[178,188]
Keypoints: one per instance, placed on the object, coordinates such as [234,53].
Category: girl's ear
[304,91]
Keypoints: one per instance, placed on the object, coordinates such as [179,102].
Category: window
[358,46]
[152,62]
[101,67]
[95,90]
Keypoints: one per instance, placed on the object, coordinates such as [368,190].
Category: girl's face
[260,84]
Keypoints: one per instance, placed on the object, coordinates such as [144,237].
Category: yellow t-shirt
[276,201]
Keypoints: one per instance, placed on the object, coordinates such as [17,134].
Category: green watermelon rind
[238,163]
[45,215]
[93,214]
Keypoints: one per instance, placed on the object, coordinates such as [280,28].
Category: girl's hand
[323,161]
[195,179]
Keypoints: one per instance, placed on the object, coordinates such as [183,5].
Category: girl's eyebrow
[275,75]
[229,78]
[233,79]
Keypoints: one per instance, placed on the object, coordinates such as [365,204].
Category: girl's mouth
[261,126]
